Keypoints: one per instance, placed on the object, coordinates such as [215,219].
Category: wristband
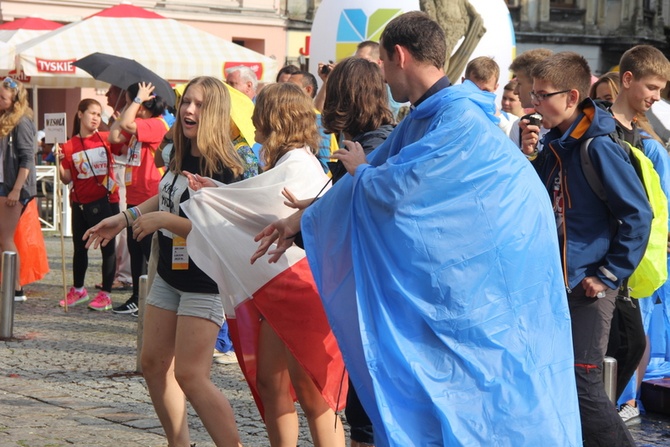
[133,212]
[533,155]
[126,216]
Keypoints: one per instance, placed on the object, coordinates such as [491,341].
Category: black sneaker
[128,307]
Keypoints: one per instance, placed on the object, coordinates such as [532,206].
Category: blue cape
[438,267]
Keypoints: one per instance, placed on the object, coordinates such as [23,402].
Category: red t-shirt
[88,160]
[142,175]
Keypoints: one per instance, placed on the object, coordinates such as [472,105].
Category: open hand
[105,231]
[293,202]
[283,232]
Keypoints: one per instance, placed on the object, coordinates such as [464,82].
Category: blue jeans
[223,342]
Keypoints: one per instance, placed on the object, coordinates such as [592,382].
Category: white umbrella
[175,51]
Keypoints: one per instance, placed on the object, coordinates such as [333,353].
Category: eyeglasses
[9,82]
[539,97]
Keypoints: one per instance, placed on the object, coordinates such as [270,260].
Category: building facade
[259,25]
[601,30]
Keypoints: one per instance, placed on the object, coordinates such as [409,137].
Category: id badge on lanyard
[134,152]
[134,160]
[179,253]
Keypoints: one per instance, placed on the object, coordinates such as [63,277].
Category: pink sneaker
[102,301]
[74,297]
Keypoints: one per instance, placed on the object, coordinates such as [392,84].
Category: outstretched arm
[108,228]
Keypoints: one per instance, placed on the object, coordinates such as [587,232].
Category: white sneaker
[629,412]
[224,358]
[19,295]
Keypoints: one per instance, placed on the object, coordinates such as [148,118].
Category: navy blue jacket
[596,240]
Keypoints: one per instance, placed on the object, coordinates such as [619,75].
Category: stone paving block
[68,379]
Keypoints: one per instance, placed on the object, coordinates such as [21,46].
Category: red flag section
[304,329]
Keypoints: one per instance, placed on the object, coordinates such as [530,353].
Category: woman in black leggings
[85,161]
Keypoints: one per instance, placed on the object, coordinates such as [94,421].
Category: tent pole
[35,112]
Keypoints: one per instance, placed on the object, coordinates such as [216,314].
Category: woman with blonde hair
[184,310]
[279,328]
[606,88]
[17,176]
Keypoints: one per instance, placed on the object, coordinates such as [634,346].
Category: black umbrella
[123,72]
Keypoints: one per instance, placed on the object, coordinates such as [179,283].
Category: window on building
[562,3]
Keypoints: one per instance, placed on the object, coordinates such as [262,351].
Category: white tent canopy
[175,51]
[19,31]
[6,57]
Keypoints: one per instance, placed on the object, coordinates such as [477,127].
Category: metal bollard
[144,290]
[7,304]
[610,377]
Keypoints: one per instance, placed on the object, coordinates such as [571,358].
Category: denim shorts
[5,190]
[190,304]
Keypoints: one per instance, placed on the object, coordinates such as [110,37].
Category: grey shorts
[191,304]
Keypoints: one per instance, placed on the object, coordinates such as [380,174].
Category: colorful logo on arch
[355,27]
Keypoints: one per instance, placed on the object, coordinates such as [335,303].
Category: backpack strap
[592,177]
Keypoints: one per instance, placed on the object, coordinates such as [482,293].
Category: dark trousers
[139,253]
[627,340]
[591,318]
[361,426]
[83,218]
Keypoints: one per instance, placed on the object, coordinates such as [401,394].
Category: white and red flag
[225,221]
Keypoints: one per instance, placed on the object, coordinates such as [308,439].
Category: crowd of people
[437,265]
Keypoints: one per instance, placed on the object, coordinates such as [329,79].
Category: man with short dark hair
[285,73]
[369,50]
[306,81]
[438,270]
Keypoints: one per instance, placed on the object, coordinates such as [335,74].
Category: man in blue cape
[438,267]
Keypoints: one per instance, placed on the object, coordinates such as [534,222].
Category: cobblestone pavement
[69,378]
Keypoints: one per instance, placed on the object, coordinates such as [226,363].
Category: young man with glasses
[601,243]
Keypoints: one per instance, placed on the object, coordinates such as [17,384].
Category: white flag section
[225,221]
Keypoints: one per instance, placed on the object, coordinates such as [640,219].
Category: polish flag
[224,223]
